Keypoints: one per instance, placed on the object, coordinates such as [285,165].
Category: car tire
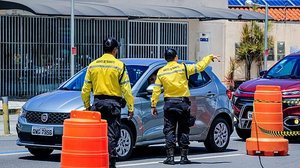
[40,152]
[243,133]
[125,144]
[218,136]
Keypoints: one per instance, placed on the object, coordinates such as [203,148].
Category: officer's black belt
[117,98]
[182,99]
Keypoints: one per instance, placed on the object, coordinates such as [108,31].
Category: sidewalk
[13,106]
[14,109]
[12,122]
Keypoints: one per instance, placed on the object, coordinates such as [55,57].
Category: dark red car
[286,74]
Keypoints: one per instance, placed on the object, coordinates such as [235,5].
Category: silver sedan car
[40,124]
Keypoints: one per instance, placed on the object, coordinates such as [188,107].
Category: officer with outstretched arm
[173,77]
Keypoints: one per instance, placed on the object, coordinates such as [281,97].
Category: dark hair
[170,54]
[110,44]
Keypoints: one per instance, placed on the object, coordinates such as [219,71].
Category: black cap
[109,44]
[170,54]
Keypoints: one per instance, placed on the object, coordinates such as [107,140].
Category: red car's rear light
[229,93]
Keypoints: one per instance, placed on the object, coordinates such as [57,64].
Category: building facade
[35,47]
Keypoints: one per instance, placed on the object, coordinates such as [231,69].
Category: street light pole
[72,37]
[266,51]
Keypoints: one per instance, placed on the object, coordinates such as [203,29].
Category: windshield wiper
[285,77]
[295,77]
[269,77]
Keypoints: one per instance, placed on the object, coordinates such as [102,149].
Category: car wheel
[243,133]
[125,144]
[40,152]
[218,136]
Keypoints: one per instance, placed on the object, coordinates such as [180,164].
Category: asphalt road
[12,156]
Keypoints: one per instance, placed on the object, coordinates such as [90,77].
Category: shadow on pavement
[141,153]
[159,152]
[51,158]
[239,140]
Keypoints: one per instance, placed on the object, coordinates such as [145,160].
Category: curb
[8,135]
[11,111]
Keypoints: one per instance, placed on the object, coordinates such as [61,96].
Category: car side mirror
[151,87]
[262,73]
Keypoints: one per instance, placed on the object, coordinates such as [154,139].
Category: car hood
[285,84]
[56,101]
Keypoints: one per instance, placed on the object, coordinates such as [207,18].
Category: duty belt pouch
[115,108]
[123,102]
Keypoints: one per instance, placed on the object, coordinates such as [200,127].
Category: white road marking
[198,158]
[14,153]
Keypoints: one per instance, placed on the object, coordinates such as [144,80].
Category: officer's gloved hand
[130,115]
[154,111]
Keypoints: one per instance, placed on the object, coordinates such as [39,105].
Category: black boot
[184,159]
[112,162]
[170,157]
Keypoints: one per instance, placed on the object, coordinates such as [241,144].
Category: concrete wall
[206,38]
[224,34]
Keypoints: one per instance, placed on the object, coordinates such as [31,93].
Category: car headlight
[296,92]
[23,113]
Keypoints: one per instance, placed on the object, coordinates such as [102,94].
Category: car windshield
[287,68]
[75,83]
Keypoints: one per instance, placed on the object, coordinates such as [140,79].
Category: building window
[280,50]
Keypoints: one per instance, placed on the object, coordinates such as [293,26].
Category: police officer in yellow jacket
[173,78]
[108,78]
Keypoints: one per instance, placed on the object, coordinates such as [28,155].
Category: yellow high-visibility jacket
[172,78]
[104,77]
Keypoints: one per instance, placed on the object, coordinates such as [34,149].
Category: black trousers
[110,110]
[176,113]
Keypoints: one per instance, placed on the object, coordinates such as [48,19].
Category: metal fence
[35,50]
[149,39]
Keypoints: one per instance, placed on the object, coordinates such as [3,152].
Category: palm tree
[252,46]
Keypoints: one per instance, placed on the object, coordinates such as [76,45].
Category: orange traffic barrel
[85,142]
[267,114]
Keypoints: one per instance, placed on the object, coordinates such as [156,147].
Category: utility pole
[72,38]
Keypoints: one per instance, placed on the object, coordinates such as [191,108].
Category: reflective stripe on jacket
[172,78]
[104,77]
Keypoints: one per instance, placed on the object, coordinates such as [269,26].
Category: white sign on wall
[204,42]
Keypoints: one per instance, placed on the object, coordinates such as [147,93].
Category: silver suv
[40,124]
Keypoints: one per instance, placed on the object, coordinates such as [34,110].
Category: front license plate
[42,131]
[249,114]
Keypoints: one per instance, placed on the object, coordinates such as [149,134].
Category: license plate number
[42,131]
[249,114]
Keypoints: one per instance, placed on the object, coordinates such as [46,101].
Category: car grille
[242,101]
[53,118]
